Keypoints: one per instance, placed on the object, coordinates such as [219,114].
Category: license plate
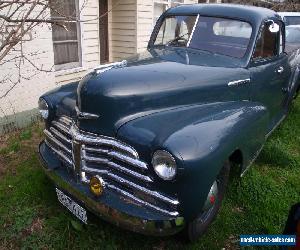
[74,208]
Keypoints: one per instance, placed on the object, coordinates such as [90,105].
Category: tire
[196,228]
[297,93]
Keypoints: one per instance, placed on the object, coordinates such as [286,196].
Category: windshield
[176,31]
[216,35]
[293,35]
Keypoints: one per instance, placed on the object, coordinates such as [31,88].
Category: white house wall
[37,47]
[122,29]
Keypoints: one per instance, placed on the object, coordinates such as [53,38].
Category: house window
[161,6]
[66,40]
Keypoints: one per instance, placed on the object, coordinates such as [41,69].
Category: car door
[270,72]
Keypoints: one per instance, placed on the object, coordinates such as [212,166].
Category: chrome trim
[98,140]
[239,82]
[115,166]
[60,135]
[85,116]
[58,143]
[105,67]
[121,180]
[58,152]
[120,157]
[172,159]
[125,159]
[124,193]
[193,30]
[212,192]
[43,112]
[280,70]
[66,120]
[61,127]
[253,160]
[276,126]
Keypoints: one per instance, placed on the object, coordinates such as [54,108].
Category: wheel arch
[236,162]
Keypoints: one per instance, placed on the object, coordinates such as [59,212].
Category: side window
[281,42]
[268,44]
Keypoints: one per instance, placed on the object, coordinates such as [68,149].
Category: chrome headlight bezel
[164,165]
[43,108]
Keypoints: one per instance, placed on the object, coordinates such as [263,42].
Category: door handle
[280,70]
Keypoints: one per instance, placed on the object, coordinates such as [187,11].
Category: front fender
[201,138]
[61,101]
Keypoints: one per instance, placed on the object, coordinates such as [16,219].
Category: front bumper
[128,216]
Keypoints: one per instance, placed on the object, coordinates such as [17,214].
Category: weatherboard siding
[122,29]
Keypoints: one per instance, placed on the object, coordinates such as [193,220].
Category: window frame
[279,51]
[167,5]
[71,65]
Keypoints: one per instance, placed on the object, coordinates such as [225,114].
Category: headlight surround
[164,165]
[43,108]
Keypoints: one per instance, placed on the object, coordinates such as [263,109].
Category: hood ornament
[85,116]
[105,67]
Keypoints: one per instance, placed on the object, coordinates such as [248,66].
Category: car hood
[154,81]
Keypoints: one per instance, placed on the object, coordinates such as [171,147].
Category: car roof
[235,11]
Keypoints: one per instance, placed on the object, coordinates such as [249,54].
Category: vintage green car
[148,143]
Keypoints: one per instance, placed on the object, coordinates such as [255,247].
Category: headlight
[164,165]
[43,108]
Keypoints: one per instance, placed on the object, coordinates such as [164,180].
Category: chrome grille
[117,163]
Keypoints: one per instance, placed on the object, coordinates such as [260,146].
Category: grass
[31,217]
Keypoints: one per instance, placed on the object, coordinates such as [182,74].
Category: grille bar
[116,167]
[99,140]
[120,157]
[59,153]
[147,204]
[66,120]
[50,137]
[60,135]
[62,127]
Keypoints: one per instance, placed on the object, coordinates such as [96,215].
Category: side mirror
[274,27]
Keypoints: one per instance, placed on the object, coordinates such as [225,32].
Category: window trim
[72,65]
[271,58]
[168,4]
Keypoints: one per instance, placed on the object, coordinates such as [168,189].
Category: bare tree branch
[17,19]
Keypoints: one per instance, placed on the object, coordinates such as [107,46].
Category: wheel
[199,225]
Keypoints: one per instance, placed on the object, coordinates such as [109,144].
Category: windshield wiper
[177,38]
